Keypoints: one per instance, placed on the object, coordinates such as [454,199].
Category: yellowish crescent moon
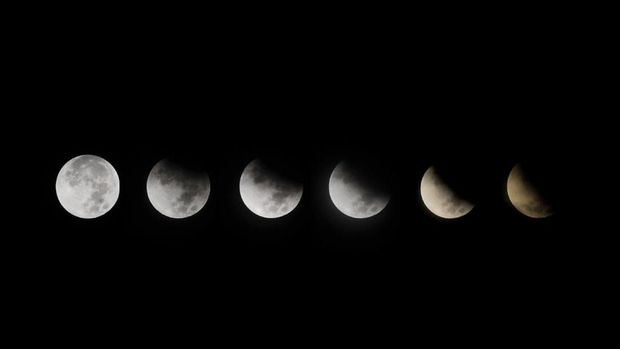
[525,197]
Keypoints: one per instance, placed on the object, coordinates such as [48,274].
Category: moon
[440,199]
[352,196]
[524,196]
[176,191]
[266,193]
[87,186]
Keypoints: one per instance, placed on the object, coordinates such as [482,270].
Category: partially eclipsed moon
[266,193]
[440,199]
[352,196]
[175,191]
[525,197]
[87,186]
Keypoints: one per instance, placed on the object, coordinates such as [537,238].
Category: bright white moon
[440,199]
[266,193]
[525,197]
[351,196]
[175,191]
[87,186]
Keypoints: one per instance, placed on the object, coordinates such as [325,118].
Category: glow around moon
[440,199]
[266,193]
[87,186]
[177,192]
[525,197]
[352,196]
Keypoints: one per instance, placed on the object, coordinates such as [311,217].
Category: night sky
[475,110]
[311,135]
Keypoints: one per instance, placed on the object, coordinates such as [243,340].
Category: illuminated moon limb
[352,196]
[440,199]
[266,193]
[175,191]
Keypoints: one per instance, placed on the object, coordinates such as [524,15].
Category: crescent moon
[266,193]
[352,196]
[87,186]
[175,191]
[440,199]
[525,197]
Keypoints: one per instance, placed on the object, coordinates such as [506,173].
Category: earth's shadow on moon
[267,190]
[543,175]
[187,168]
[465,180]
[375,175]
[188,163]
[264,231]
[368,170]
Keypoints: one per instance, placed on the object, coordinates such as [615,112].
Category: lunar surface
[440,199]
[352,196]
[175,191]
[87,186]
[525,197]
[266,193]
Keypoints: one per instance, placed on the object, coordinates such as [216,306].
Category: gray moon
[440,199]
[87,186]
[525,197]
[175,191]
[351,196]
[266,193]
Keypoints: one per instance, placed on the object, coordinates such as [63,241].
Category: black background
[479,100]
[482,129]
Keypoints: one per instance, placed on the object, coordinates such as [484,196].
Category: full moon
[440,199]
[525,197]
[352,196]
[266,193]
[87,186]
[175,191]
